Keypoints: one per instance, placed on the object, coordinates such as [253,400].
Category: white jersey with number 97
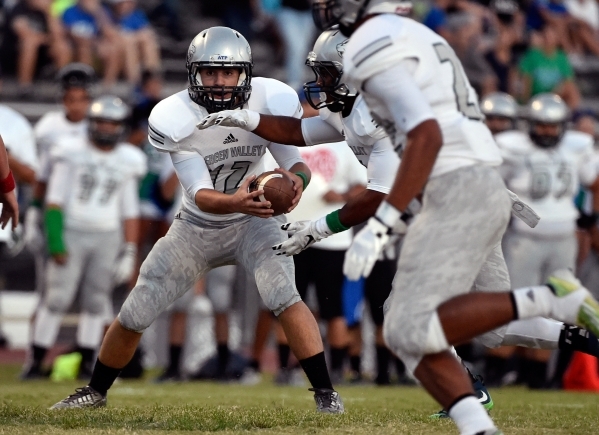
[389,41]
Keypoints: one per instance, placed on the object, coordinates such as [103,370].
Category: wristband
[54,224]
[334,223]
[8,184]
[387,214]
[304,178]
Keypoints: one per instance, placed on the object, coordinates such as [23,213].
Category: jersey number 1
[460,83]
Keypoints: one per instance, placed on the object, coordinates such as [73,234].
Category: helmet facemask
[103,138]
[326,90]
[546,141]
[217,98]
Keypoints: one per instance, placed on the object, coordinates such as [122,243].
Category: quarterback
[219,222]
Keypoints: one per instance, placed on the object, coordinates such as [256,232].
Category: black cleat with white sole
[328,401]
[85,397]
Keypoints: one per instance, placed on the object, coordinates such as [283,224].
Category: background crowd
[137,50]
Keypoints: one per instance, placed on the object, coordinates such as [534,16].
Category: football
[278,189]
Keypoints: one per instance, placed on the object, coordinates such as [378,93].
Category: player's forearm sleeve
[398,91]
[192,172]
[382,166]
[59,183]
[316,131]
[130,199]
[286,156]
[54,222]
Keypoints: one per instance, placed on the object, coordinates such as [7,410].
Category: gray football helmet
[346,13]
[547,109]
[499,104]
[76,75]
[219,47]
[107,108]
[326,60]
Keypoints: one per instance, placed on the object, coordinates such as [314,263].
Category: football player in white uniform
[219,222]
[501,112]
[414,84]
[545,167]
[91,220]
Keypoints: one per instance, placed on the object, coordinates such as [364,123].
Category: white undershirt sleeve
[192,172]
[130,199]
[59,183]
[398,91]
[285,155]
[316,131]
[382,166]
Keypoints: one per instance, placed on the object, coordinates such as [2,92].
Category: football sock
[255,364]
[315,368]
[38,354]
[382,363]
[223,357]
[284,351]
[337,357]
[575,338]
[87,356]
[400,367]
[174,358]
[470,416]
[535,373]
[532,301]
[355,363]
[103,377]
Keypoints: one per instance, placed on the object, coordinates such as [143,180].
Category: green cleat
[574,304]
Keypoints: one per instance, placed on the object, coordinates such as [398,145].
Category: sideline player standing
[219,222]
[414,84]
[91,204]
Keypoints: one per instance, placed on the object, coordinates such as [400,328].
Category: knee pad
[412,337]
[57,303]
[95,303]
[139,310]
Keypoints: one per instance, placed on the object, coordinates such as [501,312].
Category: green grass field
[139,407]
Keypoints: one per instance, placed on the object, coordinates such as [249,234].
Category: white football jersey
[52,126]
[230,154]
[388,41]
[369,143]
[548,179]
[333,168]
[96,189]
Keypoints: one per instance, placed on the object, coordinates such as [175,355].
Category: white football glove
[523,211]
[302,234]
[369,243]
[34,237]
[245,119]
[124,267]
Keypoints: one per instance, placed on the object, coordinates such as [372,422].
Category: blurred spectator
[436,19]
[550,12]
[32,37]
[149,94]
[92,34]
[547,69]
[297,28]
[584,25]
[138,38]
[465,35]
[169,11]
[509,27]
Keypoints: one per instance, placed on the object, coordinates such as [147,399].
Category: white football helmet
[346,13]
[107,108]
[326,60]
[219,47]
